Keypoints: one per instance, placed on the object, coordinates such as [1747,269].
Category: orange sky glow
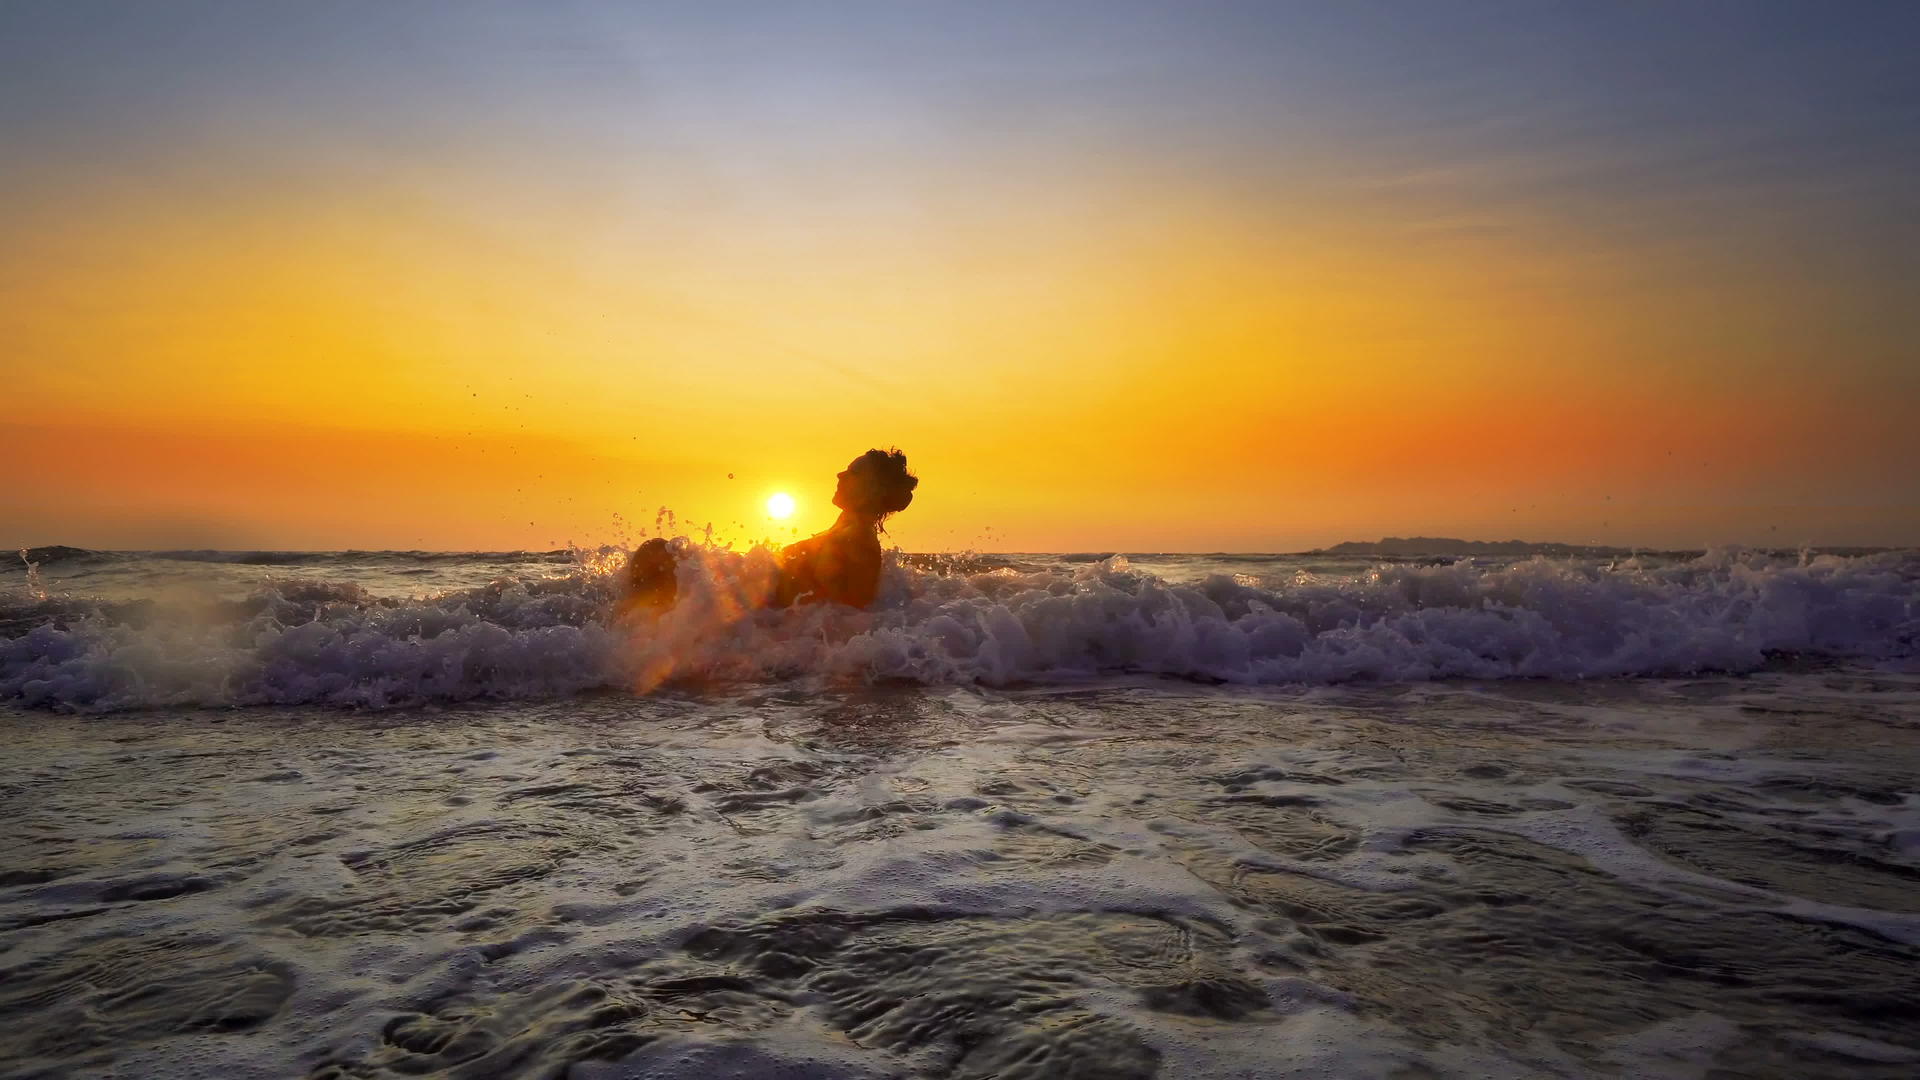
[245,336]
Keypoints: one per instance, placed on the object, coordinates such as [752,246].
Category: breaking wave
[951,620]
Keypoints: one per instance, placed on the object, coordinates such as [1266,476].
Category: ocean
[382,814]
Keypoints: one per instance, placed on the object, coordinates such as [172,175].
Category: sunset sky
[1175,276]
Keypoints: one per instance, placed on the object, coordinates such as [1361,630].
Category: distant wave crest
[59,553]
[986,620]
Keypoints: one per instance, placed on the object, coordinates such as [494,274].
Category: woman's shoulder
[842,539]
[806,547]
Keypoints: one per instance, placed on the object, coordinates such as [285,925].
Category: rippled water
[1711,876]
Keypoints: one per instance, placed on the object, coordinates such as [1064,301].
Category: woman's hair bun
[891,483]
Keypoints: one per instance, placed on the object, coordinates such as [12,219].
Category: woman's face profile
[867,485]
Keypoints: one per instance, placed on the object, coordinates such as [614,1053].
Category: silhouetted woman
[838,566]
[842,565]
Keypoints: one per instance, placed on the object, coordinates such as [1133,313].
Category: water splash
[546,628]
[35,589]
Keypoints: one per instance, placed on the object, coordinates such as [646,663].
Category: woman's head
[876,484]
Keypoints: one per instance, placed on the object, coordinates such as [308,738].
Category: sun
[780,505]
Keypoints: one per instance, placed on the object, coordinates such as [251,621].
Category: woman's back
[839,566]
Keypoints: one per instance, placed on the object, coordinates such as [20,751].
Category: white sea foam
[332,640]
[877,893]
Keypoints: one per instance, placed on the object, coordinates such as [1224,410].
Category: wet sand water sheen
[1706,877]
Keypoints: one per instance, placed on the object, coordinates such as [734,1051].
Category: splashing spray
[35,589]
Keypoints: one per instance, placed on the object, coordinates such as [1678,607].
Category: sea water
[356,815]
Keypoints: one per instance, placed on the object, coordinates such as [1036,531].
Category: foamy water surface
[360,816]
[89,631]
